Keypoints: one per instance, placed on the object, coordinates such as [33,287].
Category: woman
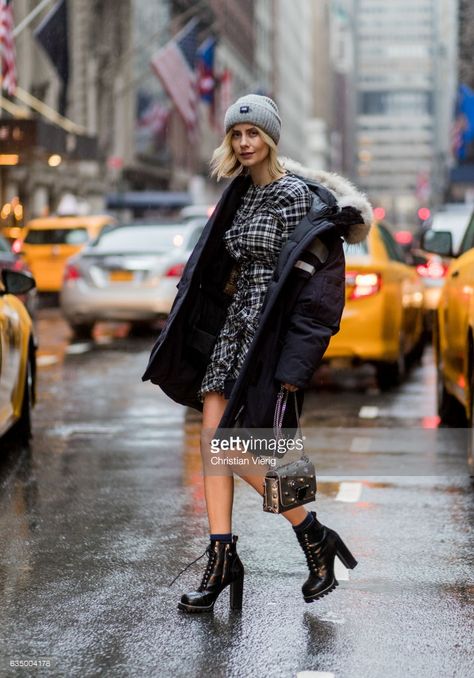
[259,299]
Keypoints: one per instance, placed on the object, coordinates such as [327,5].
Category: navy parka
[299,315]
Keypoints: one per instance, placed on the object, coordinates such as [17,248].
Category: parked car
[18,356]
[13,262]
[196,212]
[455,218]
[453,334]
[382,321]
[432,270]
[48,242]
[129,273]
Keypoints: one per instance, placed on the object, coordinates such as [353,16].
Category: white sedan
[129,273]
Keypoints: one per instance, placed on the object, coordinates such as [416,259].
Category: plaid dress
[265,219]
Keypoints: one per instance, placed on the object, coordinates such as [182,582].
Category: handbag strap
[280,408]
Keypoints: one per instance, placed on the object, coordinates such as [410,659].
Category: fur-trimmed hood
[345,193]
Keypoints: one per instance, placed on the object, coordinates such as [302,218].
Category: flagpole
[31,16]
[48,112]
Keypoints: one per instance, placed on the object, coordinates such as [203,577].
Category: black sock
[310,521]
[310,518]
[226,538]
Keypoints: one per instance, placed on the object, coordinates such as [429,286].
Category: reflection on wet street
[107,505]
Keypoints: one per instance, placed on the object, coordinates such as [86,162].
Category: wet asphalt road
[107,506]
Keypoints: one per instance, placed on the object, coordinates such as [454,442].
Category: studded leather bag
[293,484]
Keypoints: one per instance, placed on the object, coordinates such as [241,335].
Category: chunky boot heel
[224,568]
[320,545]
[344,555]
[237,593]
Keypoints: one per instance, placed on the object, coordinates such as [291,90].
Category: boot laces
[208,550]
[208,570]
[311,554]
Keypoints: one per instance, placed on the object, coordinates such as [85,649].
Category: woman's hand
[290,387]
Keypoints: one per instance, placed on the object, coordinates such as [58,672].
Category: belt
[230,286]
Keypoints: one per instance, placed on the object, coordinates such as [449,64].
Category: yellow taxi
[47,243]
[382,321]
[17,357]
[453,334]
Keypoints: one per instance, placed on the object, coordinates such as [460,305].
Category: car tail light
[363,284]
[175,271]
[16,246]
[432,269]
[71,272]
[18,265]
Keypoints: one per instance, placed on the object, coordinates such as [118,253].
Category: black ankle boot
[224,568]
[321,545]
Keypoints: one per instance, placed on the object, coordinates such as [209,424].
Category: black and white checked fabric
[267,216]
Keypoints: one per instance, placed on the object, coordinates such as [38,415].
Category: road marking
[78,348]
[369,412]
[45,360]
[315,674]
[341,572]
[349,492]
[361,444]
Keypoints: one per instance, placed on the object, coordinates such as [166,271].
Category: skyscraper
[406,77]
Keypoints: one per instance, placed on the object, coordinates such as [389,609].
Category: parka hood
[344,191]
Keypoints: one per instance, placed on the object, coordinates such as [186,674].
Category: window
[4,246]
[152,238]
[57,236]
[394,251]
[396,103]
[468,239]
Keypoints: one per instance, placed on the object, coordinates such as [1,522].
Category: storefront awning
[151,200]
[30,138]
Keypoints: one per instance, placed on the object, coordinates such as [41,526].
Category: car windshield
[149,238]
[57,236]
[4,246]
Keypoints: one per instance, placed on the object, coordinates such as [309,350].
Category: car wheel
[416,354]
[388,375]
[450,411]
[141,329]
[22,431]
[391,374]
[470,433]
[82,330]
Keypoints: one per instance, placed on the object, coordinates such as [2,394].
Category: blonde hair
[224,162]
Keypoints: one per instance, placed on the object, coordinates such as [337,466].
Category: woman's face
[248,146]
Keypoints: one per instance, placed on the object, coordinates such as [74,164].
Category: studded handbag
[293,484]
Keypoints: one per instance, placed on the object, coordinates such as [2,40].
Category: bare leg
[218,489]
[294,516]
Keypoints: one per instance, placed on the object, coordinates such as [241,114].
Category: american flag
[7,47]
[225,94]
[175,65]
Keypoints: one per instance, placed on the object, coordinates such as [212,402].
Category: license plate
[120,276]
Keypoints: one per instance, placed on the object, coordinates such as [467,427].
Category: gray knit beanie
[258,110]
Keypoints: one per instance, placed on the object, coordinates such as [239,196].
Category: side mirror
[15,282]
[437,242]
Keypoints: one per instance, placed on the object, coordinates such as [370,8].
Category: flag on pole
[205,61]
[52,35]
[464,120]
[154,118]
[7,48]
[225,94]
[175,65]
[206,76]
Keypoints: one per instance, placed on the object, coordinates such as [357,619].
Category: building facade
[98,106]
[406,75]
[293,74]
